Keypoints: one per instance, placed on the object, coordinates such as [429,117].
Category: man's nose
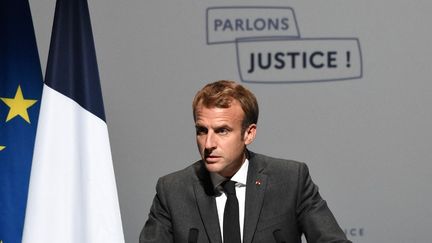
[210,142]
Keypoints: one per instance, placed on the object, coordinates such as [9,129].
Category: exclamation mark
[348,57]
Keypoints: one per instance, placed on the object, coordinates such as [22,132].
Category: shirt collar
[240,177]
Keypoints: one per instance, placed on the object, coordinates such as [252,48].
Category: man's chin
[212,167]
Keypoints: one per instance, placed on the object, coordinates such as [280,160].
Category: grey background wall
[367,140]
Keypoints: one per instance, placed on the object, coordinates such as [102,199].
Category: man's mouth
[211,158]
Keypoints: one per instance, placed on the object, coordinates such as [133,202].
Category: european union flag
[20,93]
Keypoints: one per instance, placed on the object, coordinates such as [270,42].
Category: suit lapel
[255,189]
[205,199]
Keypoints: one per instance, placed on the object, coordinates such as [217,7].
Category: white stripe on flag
[72,193]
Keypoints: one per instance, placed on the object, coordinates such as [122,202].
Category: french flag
[72,192]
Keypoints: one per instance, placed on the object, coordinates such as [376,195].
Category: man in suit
[270,200]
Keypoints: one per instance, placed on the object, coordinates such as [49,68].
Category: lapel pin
[258,182]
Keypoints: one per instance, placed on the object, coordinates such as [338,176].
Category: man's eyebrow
[199,127]
[223,126]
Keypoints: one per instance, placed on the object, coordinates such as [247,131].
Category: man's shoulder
[278,170]
[275,163]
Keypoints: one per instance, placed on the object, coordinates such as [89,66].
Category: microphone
[278,236]
[193,235]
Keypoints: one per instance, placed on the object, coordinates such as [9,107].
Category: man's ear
[250,133]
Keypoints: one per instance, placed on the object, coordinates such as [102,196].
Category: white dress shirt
[240,178]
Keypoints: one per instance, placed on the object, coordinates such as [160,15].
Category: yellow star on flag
[18,106]
[1,148]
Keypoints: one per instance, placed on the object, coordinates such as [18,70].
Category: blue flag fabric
[72,67]
[20,93]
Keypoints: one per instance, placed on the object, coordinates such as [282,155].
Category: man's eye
[201,131]
[223,131]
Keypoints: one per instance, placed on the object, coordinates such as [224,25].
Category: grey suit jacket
[281,202]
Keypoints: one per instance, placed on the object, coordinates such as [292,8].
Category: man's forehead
[218,116]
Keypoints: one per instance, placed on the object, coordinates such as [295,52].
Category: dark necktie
[231,226]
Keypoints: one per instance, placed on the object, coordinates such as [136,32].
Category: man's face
[220,139]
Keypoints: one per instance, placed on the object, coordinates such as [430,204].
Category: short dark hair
[221,93]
